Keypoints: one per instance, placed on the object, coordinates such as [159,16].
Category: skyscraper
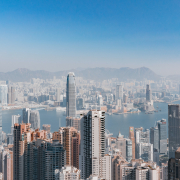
[154,137]
[71,95]
[3,94]
[173,128]
[34,119]
[119,92]
[174,166]
[148,93]
[162,136]
[58,93]
[92,147]
[0,123]
[131,136]
[13,95]
[26,115]
[70,138]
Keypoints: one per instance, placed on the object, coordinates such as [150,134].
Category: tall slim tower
[92,149]
[119,92]
[71,95]
[173,128]
[0,123]
[131,136]
[148,93]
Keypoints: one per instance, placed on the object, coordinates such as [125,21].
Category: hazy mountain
[98,74]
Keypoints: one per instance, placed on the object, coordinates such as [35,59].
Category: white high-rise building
[3,94]
[92,148]
[106,167]
[67,173]
[71,95]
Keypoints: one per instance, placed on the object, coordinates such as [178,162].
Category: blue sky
[59,35]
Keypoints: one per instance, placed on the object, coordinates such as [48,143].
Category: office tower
[144,151]
[174,166]
[34,119]
[46,127]
[69,137]
[26,115]
[3,94]
[67,173]
[121,144]
[71,95]
[154,137]
[131,136]
[125,98]
[15,119]
[173,128]
[20,131]
[58,93]
[9,96]
[128,150]
[92,143]
[0,123]
[148,93]
[73,122]
[119,92]
[64,101]
[162,136]
[13,95]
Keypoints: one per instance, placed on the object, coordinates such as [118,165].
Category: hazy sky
[64,34]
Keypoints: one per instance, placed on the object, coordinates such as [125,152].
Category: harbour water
[114,123]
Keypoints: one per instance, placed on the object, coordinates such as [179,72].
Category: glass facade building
[71,95]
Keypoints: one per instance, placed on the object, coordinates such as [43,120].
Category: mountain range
[98,74]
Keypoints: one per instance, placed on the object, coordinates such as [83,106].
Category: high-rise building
[71,95]
[3,94]
[9,96]
[131,136]
[58,93]
[162,136]
[142,136]
[144,151]
[121,144]
[26,115]
[0,123]
[34,119]
[119,92]
[7,163]
[128,150]
[80,103]
[148,93]
[21,135]
[92,147]
[173,128]
[13,95]
[174,166]
[154,138]
[67,173]
[69,137]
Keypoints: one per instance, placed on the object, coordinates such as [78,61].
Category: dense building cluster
[84,149]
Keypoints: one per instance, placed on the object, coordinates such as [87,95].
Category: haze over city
[63,35]
[89,90]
